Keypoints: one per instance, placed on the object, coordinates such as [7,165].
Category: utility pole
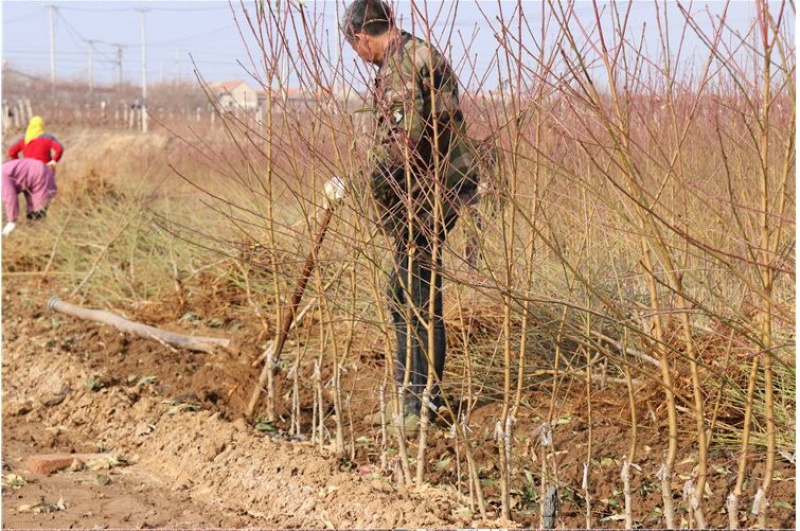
[284,76]
[177,66]
[119,65]
[91,72]
[144,74]
[52,9]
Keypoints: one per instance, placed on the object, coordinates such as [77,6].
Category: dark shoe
[39,214]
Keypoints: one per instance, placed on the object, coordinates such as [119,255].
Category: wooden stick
[267,371]
[199,344]
[299,319]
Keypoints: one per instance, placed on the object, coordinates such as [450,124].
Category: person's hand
[8,228]
[52,165]
[333,192]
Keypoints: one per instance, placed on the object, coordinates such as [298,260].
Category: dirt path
[123,497]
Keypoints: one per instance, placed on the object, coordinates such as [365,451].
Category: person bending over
[32,178]
[37,145]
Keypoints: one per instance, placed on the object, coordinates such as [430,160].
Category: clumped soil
[176,418]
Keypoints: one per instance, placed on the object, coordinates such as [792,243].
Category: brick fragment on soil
[46,464]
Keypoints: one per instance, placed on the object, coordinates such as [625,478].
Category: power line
[200,55]
[23,17]
[227,27]
[80,36]
[108,55]
[185,9]
[151,8]
[45,61]
[71,31]
[34,52]
[169,42]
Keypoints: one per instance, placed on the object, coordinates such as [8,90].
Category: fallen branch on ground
[199,344]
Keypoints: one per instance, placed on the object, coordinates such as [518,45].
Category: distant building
[238,94]
[234,94]
[295,94]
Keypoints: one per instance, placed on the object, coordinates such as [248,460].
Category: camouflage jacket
[420,136]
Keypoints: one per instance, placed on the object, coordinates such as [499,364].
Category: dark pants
[410,304]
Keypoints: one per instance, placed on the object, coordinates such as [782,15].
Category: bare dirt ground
[174,417]
[76,387]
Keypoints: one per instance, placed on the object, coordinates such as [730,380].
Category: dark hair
[373,17]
